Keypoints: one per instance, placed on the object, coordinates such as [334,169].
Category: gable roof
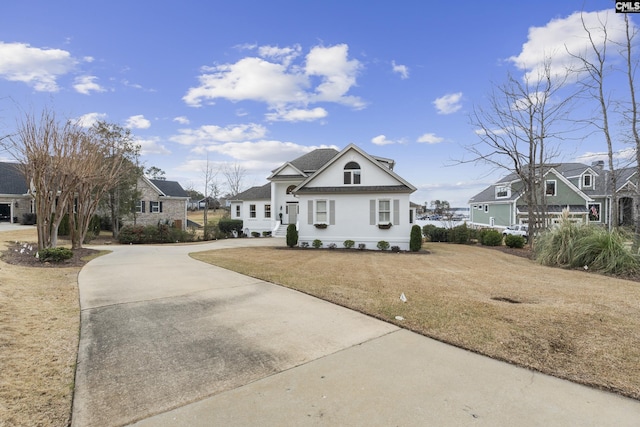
[12,180]
[307,164]
[403,186]
[255,193]
[168,188]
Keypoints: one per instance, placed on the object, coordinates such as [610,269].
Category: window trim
[155,207]
[352,173]
[599,210]
[555,187]
[238,215]
[317,212]
[503,189]
[584,177]
[381,211]
[253,213]
[267,211]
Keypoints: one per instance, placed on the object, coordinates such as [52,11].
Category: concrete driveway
[170,341]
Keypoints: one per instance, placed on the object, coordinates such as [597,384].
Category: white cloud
[430,138]
[278,82]
[89,119]
[211,134]
[151,146]
[561,38]
[400,69]
[183,120]
[86,84]
[624,155]
[138,122]
[338,74]
[39,68]
[297,115]
[449,103]
[382,140]
[282,55]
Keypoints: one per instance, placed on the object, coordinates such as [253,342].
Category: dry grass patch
[571,324]
[39,327]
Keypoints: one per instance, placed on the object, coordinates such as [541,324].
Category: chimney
[598,164]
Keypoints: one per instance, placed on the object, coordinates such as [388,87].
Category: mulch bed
[23,254]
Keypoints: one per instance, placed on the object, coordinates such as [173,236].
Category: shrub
[266,234]
[131,234]
[161,233]
[54,254]
[427,230]
[255,234]
[573,246]
[362,246]
[292,235]
[415,241]
[460,234]
[396,249]
[332,246]
[514,241]
[228,225]
[28,219]
[304,244]
[438,234]
[490,238]
[348,244]
[317,243]
[383,245]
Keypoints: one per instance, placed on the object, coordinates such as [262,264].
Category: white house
[332,196]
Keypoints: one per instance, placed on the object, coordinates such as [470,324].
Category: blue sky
[258,83]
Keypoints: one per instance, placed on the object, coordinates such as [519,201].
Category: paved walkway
[170,341]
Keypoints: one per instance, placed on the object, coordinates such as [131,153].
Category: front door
[292,213]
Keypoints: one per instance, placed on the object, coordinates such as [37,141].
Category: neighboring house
[15,199]
[332,196]
[584,191]
[160,201]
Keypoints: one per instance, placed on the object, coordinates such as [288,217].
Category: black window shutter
[160,207]
[143,203]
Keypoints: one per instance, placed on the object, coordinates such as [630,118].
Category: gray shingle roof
[314,160]
[255,193]
[169,188]
[12,181]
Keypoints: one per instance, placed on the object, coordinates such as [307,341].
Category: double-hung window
[321,211]
[252,211]
[267,211]
[550,188]
[384,211]
[155,207]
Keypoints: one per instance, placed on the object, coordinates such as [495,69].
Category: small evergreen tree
[292,235]
[415,242]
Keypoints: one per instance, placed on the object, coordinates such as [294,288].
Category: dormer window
[587,180]
[352,173]
[502,192]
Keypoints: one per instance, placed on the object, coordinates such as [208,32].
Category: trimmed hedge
[54,254]
[415,241]
[228,225]
[292,235]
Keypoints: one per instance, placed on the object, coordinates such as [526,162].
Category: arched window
[352,173]
[290,189]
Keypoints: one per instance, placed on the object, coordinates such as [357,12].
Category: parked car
[517,230]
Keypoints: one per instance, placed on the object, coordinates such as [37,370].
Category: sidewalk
[170,341]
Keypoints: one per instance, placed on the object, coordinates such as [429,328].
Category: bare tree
[209,175]
[47,151]
[594,71]
[234,175]
[631,64]
[516,134]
